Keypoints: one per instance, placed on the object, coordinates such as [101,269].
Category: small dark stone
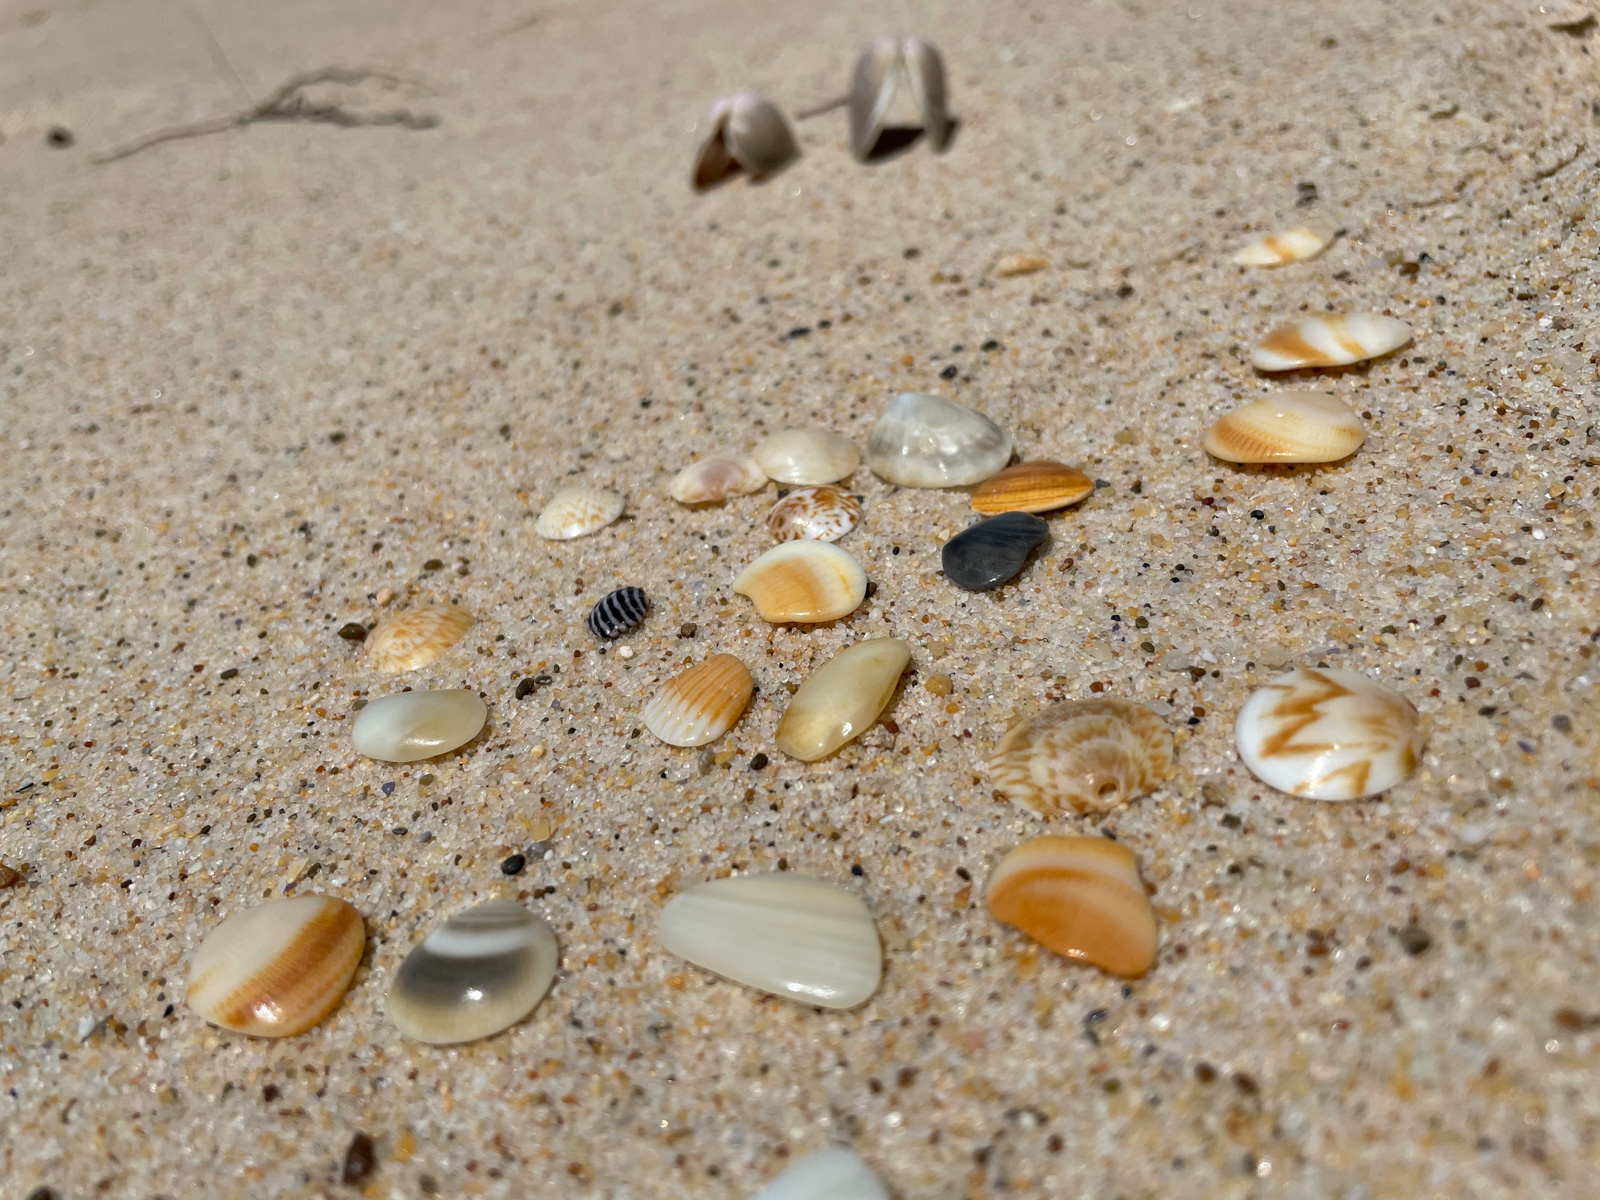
[799,331]
[353,631]
[43,1193]
[1258,514]
[513,865]
[993,551]
[1307,195]
[617,612]
[433,564]
[269,1093]
[387,789]
[230,673]
[759,762]
[989,346]
[688,629]
[337,436]
[950,372]
[525,689]
[359,1160]
[59,138]
[1205,1072]
[1414,939]
[1562,722]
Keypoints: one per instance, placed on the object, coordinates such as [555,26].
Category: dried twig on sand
[289,103]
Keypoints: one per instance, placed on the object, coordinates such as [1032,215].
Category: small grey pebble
[1414,939]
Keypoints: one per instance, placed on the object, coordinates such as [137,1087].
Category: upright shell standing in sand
[878,74]
[1083,756]
[744,132]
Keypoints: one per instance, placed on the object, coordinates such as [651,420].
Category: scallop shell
[807,456]
[879,71]
[278,968]
[1287,427]
[823,514]
[744,132]
[1329,340]
[700,704]
[1081,897]
[1290,245]
[1083,756]
[1032,487]
[804,582]
[416,637]
[712,480]
[576,511]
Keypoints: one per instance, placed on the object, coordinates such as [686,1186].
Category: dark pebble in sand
[987,554]
[359,1159]
[353,632]
[1414,939]
[513,865]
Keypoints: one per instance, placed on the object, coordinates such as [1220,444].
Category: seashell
[1032,487]
[993,551]
[744,132]
[416,637]
[700,704]
[278,968]
[617,612]
[1081,897]
[790,935]
[1291,245]
[877,75]
[1287,427]
[842,698]
[822,514]
[1019,264]
[927,441]
[715,479]
[1329,340]
[482,971]
[1327,734]
[576,511]
[807,456]
[1083,756]
[831,1174]
[804,582]
[410,726]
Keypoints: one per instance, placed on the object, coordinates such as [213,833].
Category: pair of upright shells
[745,133]
[926,441]
[883,68]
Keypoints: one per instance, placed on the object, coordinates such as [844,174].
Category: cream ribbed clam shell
[576,511]
[700,704]
[1287,427]
[416,637]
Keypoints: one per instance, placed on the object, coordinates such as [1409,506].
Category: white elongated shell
[1019,264]
[700,704]
[1329,340]
[410,726]
[831,1174]
[1326,734]
[416,637]
[823,514]
[712,480]
[842,698]
[1287,427]
[804,582]
[807,456]
[790,935]
[576,511]
[926,441]
[743,132]
[1289,245]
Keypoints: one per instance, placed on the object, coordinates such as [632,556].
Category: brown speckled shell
[823,514]
[1083,756]
[414,638]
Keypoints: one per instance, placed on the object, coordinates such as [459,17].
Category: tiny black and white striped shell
[618,611]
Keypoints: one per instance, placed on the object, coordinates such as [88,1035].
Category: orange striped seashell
[1290,245]
[702,703]
[1081,897]
[1032,487]
[279,968]
[804,581]
[414,638]
[1287,427]
[1329,340]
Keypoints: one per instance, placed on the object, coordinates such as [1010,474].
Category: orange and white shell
[577,511]
[712,480]
[1011,265]
[1287,246]
[1329,340]
[700,704]
[416,637]
[823,514]
[1083,756]
[1287,427]
[1031,487]
[804,582]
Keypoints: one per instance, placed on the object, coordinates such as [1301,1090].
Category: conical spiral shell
[702,703]
[1083,756]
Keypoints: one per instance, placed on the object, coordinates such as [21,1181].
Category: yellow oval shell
[842,698]
[1287,427]
[804,581]
[416,637]
[1083,756]
[700,704]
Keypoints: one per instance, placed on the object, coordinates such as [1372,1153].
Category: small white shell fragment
[1011,265]
[926,441]
[744,132]
[410,726]
[803,581]
[712,480]
[790,935]
[831,1174]
[1327,734]
[807,456]
[1287,427]
[1329,340]
[842,698]
[576,511]
[1291,245]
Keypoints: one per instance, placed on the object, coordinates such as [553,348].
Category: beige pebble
[842,698]
[1019,264]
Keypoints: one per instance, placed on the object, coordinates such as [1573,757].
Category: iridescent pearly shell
[1081,897]
[879,72]
[279,968]
[831,1174]
[1290,245]
[926,441]
[744,132]
[1083,756]
[482,971]
[842,698]
[1287,427]
[787,934]
[700,704]
[414,638]
[411,726]
[804,582]
[713,480]
[1326,734]
[1329,340]
[1019,264]
[807,456]
[576,512]
[1032,487]
[822,514]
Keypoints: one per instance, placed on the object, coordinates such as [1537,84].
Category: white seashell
[804,582]
[927,441]
[410,726]
[878,73]
[745,132]
[701,704]
[831,1174]
[1291,245]
[842,698]
[576,511]
[712,480]
[790,935]
[1287,427]
[823,514]
[1327,734]
[807,456]
[1329,340]
[416,637]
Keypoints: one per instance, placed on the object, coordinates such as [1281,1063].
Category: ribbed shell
[617,612]
[1329,340]
[1032,487]
[804,582]
[1288,427]
[414,638]
[702,703]
[822,514]
[577,511]
[1083,756]
[1286,246]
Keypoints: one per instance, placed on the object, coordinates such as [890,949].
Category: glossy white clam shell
[831,1174]
[410,726]
[926,441]
[807,456]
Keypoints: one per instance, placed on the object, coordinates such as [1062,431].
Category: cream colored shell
[1083,756]
[842,698]
[416,637]
[1329,340]
[411,726]
[1287,427]
[712,480]
[577,511]
[804,582]
[1287,246]
[807,456]
[700,704]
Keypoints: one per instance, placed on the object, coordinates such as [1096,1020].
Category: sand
[251,380]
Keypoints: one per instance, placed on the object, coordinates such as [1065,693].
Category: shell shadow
[895,140]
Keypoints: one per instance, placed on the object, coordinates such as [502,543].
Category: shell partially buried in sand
[1287,427]
[700,704]
[1083,756]
[414,638]
[807,456]
[713,480]
[803,582]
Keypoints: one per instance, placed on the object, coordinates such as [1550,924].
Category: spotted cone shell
[1083,756]
[822,514]
[1031,487]
[702,703]
[414,638]
[1290,245]
[804,582]
[1330,340]
[576,512]
[1287,427]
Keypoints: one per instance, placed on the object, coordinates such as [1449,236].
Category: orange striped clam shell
[702,703]
[1032,487]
